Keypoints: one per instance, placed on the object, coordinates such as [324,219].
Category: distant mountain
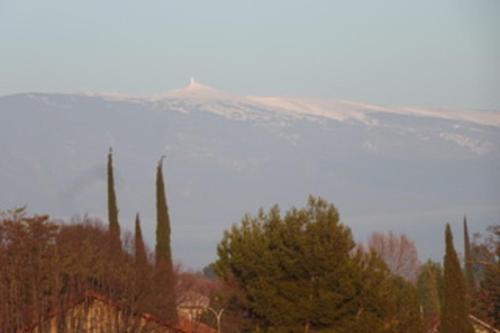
[405,169]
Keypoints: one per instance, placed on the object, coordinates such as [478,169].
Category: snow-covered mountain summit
[209,99]
[195,91]
[342,110]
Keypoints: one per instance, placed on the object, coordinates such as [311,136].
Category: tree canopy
[301,272]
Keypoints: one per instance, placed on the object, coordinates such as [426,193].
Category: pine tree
[164,274]
[114,226]
[454,310]
[469,275]
[296,272]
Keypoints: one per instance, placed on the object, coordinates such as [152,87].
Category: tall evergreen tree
[469,275]
[142,271]
[140,250]
[164,273]
[455,310]
[114,225]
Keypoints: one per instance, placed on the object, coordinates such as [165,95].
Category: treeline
[473,288]
[300,271]
[47,267]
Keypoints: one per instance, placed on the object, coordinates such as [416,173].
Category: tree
[208,271]
[48,268]
[142,270]
[27,267]
[385,302]
[164,273]
[141,259]
[398,252]
[483,254]
[281,271]
[428,290]
[406,314]
[454,309]
[114,225]
[487,305]
[468,260]
[489,297]
[298,272]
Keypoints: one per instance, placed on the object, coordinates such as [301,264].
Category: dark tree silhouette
[165,305]
[454,307]
[468,261]
[114,225]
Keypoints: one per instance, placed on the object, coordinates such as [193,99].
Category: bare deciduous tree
[398,252]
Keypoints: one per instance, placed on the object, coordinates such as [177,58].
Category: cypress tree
[114,226]
[164,274]
[142,271]
[140,249]
[454,310]
[469,276]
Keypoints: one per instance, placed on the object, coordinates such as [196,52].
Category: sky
[428,53]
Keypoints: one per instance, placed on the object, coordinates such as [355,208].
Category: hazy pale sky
[442,53]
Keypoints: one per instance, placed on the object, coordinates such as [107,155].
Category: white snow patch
[475,146]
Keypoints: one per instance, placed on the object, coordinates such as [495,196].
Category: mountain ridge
[196,93]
